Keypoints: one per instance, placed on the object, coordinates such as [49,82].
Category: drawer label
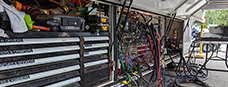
[16,51]
[10,40]
[14,79]
[17,63]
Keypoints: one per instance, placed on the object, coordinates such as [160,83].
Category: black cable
[121,13]
[115,39]
[87,14]
[150,19]
[152,34]
[170,57]
[129,7]
[225,55]
[153,30]
[130,16]
[164,37]
[187,25]
[182,63]
[140,73]
[157,51]
[170,27]
[186,66]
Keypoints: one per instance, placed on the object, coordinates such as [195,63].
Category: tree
[204,25]
[219,17]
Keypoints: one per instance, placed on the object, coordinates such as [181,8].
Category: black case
[4,21]
[62,22]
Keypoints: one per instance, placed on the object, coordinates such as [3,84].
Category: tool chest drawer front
[96,74]
[101,38]
[96,50]
[96,45]
[96,60]
[4,42]
[26,62]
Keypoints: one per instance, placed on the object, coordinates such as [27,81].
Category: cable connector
[135,73]
[126,82]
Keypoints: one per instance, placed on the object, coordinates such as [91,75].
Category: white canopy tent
[217,5]
[183,8]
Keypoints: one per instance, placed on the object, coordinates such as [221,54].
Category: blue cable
[165,77]
[69,4]
[11,1]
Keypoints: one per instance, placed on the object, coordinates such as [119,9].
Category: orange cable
[57,2]
[110,71]
[60,4]
[119,70]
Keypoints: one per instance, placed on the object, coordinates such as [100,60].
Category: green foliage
[204,25]
[219,17]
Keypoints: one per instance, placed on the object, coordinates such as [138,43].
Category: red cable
[110,71]
[83,3]
[119,70]
[79,2]
[72,1]
[159,64]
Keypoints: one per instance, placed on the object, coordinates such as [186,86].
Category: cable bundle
[187,70]
[138,49]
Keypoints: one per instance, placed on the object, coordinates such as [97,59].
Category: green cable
[127,78]
[122,64]
[121,61]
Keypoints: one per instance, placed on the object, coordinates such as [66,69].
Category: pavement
[217,78]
